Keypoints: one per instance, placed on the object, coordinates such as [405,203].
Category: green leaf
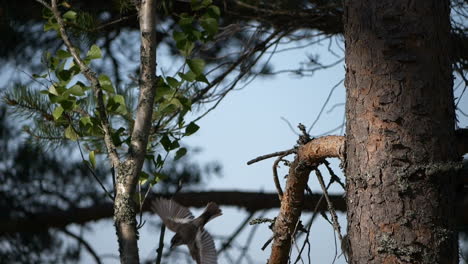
[196,65]
[191,128]
[143,177]
[76,90]
[206,2]
[210,25]
[158,177]
[51,24]
[176,102]
[200,4]
[166,143]
[163,91]
[46,13]
[53,90]
[159,161]
[193,34]
[94,53]
[174,83]
[175,144]
[214,11]
[189,76]
[86,122]
[202,78]
[63,75]
[58,111]
[92,159]
[185,47]
[63,54]
[37,76]
[180,153]
[179,36]
[185,21]
[68,105]
[117,104]
[120,101]
[115,136]
[106,83]
[70,15]
[71,134]
[186,102]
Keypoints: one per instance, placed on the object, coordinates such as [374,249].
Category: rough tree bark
[400,138]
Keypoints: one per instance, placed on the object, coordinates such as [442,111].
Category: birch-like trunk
[129,170]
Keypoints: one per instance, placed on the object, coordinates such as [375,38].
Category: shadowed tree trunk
[400,149]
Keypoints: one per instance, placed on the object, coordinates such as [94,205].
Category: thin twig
[161,244]
[249,240]
[333,176]
[33,79]
[279,190]
[293,242]
[46,5]
[114,22]
[289,125]
[325,104]
[331,209]
[93,173]
[309,225]
[88,247]
[271,155]
[236,232]
[267,243]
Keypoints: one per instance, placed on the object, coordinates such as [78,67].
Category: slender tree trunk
[400,132]
[128,171]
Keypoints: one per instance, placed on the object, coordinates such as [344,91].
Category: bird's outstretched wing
[206,248]
[172,213]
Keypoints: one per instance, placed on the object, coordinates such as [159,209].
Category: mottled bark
[128,171]
[400,138]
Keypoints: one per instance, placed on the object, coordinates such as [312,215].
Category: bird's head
[176,241]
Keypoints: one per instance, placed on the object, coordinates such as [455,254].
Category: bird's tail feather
[211,211]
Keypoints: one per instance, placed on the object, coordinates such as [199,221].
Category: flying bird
[189,230]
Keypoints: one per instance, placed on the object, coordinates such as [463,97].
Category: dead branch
[320,148]
[309,154]
[275,176]
[271,155]
[331,208]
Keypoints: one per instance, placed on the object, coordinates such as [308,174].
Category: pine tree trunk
[400,132]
